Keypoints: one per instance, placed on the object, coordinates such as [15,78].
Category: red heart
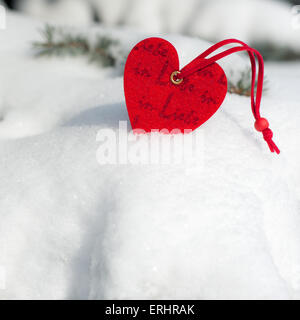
[155,102]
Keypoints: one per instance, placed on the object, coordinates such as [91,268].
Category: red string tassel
[268,135]
[202,61]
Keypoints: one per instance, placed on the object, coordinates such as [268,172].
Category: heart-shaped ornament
[156,99]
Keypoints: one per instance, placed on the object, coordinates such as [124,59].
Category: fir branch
[273,52]
[101,52]
[57,42]
[243,85]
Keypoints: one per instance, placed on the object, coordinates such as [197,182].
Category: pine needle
[57,42]
[243,85]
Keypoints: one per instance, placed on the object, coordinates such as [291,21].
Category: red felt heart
[155,102]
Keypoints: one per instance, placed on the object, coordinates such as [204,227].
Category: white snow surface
[72,228]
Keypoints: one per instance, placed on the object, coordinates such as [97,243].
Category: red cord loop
[202,62]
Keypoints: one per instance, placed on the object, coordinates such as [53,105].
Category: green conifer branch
[57,42]
[243,85]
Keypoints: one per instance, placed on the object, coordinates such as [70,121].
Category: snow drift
[71,228]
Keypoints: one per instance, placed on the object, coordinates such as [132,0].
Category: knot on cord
[268,135]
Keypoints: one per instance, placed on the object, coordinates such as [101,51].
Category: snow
[254,21]
[226,227]
[67,12]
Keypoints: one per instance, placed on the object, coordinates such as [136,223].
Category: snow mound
[72,228]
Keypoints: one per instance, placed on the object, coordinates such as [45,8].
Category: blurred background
[272,26]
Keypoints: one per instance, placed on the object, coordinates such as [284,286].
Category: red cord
[201,62]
